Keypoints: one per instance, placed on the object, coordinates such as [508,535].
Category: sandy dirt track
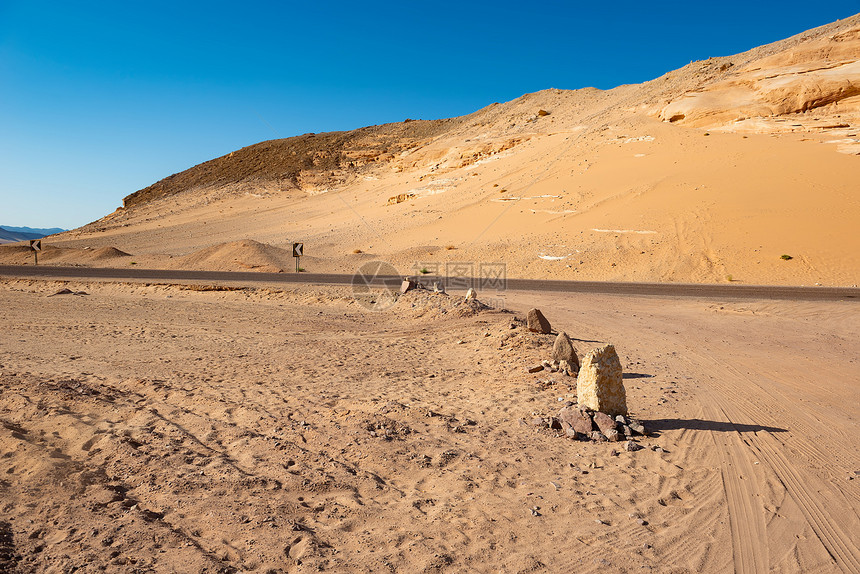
[161,428]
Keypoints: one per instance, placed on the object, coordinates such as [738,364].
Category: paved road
[728,291]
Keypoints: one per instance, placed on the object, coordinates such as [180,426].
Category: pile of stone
[601,412]
[564,358]
[581,423]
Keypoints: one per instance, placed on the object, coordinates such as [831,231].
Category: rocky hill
[711,172]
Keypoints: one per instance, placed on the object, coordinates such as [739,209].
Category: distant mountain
[9,234]
[40,231]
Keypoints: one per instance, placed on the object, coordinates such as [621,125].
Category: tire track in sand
[839,546]
[744,409]
[746,515]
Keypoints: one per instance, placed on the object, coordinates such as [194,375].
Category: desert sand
[184,428]
[249,427]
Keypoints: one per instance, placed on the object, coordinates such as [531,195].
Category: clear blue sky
[99,99]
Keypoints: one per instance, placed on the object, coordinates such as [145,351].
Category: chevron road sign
[298,251]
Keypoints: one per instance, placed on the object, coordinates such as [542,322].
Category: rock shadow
[699,424]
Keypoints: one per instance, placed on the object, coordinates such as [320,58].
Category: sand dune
[239,256]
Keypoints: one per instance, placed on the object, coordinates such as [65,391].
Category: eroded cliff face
[817,76]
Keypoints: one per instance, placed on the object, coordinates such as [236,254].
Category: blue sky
[99,99]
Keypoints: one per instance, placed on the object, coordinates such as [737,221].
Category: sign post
[36,246]
[298,248]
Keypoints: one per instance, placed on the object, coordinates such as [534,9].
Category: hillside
[709,173]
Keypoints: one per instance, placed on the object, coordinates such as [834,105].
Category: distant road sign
[297,249]
[36,244]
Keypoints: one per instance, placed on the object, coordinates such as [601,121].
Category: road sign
[36,246]
[298,249]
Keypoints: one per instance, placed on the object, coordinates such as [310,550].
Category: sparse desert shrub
[729,278]
[450,247]
[786,257]
[424,271]
[357,251]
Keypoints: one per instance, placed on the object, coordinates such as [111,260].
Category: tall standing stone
[537,322]
[600,386]
[563,350]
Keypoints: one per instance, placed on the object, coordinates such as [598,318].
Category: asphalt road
[727,291]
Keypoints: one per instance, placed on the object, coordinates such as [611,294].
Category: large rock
[600,386]
[577,419]
[538,323]
[563,350]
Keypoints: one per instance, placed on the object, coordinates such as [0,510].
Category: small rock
[597,436]
[627,430]
[604,422]
[637,428]
[538,422]
[621,419]
[598,521]
[537,323]
[471,294]
[631,446]
[438,287]
[563,350]
[407,285]
[613,436]
[642,522]
[577,419]
[536,369]
[566,368]
[554,423]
